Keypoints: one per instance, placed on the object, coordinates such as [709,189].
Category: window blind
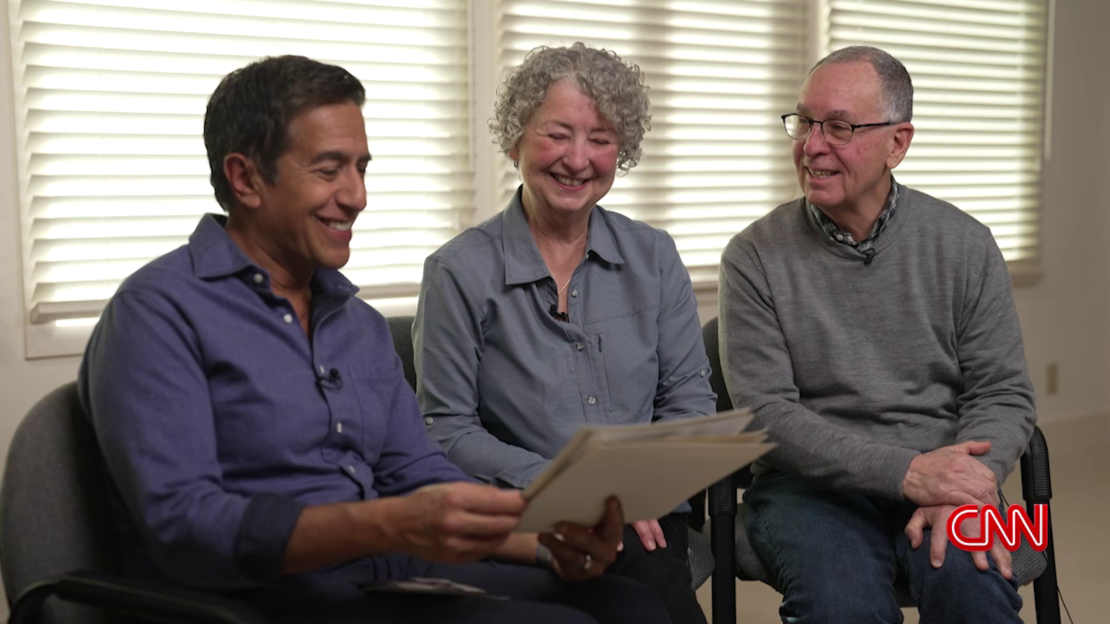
[719,74]
[110,99]
[978,68]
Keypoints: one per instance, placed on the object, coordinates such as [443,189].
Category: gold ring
[588,563]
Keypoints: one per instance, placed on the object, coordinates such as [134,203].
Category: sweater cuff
[899,464]
[264,533]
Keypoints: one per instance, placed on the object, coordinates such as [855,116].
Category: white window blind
[110,99]
[978,69]
[720,74]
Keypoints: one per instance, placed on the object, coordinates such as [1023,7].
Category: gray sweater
[855,369]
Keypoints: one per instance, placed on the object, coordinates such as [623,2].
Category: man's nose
[815,143]
[352,194]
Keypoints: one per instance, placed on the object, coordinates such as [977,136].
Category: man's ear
[899,144]
[245,179]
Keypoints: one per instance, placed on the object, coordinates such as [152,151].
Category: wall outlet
[1052,379]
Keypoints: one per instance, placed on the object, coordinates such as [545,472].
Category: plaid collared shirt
[865,246]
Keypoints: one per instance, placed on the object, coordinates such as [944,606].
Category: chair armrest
[1036,479]
[1036,487]
[155,602]
[722,529]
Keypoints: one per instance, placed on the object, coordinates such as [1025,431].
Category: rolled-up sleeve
[683,389]
[144,387]
[447,337]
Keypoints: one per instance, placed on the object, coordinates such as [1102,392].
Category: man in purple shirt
[254,415]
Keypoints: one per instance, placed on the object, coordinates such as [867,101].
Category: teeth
[342,226]
[820,174]
[568,181]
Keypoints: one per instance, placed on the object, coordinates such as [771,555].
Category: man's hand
[454,522]
[951,475]
[937,518]
[651,535]
[579,553]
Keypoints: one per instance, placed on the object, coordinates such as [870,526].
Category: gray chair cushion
[700,556]
[400,329]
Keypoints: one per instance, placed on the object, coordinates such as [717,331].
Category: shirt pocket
[626,352]
[374,387]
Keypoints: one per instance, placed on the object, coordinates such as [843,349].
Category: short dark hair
[250,112]
[897,88]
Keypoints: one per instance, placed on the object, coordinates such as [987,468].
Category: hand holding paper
[650,468]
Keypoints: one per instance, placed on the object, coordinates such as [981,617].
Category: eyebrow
[564,125]
[833,114]
[337,156]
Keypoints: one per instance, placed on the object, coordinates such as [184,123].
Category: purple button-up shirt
[220,419]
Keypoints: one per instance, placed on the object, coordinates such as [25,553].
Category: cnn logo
[992,525]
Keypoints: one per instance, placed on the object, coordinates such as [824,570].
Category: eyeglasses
[837,133]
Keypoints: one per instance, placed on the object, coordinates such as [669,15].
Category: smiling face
[303,221]
[856,176]
[567,154]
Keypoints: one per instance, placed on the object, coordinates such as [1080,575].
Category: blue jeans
[836,556]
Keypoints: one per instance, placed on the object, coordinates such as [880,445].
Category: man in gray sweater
[872,330]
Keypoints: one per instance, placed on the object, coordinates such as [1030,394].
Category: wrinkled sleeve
[997,403]
[683,389]
[144,386]
[447,341]
[759,374]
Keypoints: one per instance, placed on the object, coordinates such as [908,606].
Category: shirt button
[351,468]
[574,293]
[579,346]
[704,373]
[258,278]
[322,371]
[339,428]
[288,319]
[591,399]
[840,237]
[428,420]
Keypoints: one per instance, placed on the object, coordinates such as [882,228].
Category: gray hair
[897,88]
[615,86]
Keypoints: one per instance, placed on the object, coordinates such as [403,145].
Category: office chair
[58,546]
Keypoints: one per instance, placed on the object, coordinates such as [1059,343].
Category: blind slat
[112,97]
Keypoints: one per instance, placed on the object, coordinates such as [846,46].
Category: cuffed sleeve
[683,390]
[264,533]
[447,337]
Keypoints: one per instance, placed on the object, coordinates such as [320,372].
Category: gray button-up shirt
[503,385]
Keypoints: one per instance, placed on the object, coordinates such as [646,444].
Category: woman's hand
[579,553]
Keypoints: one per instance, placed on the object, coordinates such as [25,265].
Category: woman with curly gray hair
[557,313]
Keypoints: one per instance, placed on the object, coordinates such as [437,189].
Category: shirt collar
[524,263]
[836,234]
[215,255]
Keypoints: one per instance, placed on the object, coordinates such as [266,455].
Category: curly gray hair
[615,86]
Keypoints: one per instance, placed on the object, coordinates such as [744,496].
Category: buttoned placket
[581,347]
